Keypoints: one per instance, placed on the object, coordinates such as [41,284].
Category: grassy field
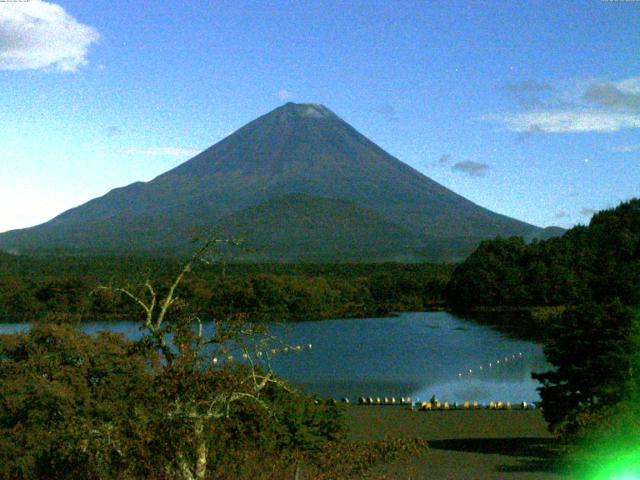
[469,445]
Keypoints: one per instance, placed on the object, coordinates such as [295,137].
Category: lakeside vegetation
[598,262]
[579,293]
[78,406]
[33,287]
[584,288]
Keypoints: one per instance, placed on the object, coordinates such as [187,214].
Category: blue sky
[531,109]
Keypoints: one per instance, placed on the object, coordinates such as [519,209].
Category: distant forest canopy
[35,287]
[595,263]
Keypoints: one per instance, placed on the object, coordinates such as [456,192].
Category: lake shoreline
[287,318]
[413,354]
[533,323]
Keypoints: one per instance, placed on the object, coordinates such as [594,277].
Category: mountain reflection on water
[417,354]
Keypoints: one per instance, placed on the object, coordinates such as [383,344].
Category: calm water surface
[417,354]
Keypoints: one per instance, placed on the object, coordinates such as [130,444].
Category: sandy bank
[475,444]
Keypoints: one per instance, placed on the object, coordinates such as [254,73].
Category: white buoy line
[493,364]
[269,352]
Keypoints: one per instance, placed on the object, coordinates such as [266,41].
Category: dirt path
[469,445]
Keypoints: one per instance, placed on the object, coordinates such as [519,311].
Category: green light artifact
[622,466]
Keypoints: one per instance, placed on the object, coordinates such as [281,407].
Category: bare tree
[189,353]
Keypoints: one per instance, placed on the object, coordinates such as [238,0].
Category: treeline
[589,279]
[595,263]
[33,287]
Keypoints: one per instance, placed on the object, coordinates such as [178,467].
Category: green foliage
[590,278]
[82,407]
[69,403]
[593,351]
[597,263]
[492,275]
[606,442]
[30,287]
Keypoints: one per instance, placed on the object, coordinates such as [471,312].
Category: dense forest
[33,287]
[589,279]
[595,263]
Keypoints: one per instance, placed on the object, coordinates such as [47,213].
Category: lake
[416,354]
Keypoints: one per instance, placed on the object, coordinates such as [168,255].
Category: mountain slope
[297,148]
[303,227]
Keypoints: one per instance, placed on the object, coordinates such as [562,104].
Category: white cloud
[283,94]
[630,85]
[591,107]
[626,148]
[37,34]
[581,120]
[161,151]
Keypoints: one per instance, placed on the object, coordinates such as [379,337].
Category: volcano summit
[300,184]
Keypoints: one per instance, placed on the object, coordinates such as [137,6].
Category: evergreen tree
[592,350]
